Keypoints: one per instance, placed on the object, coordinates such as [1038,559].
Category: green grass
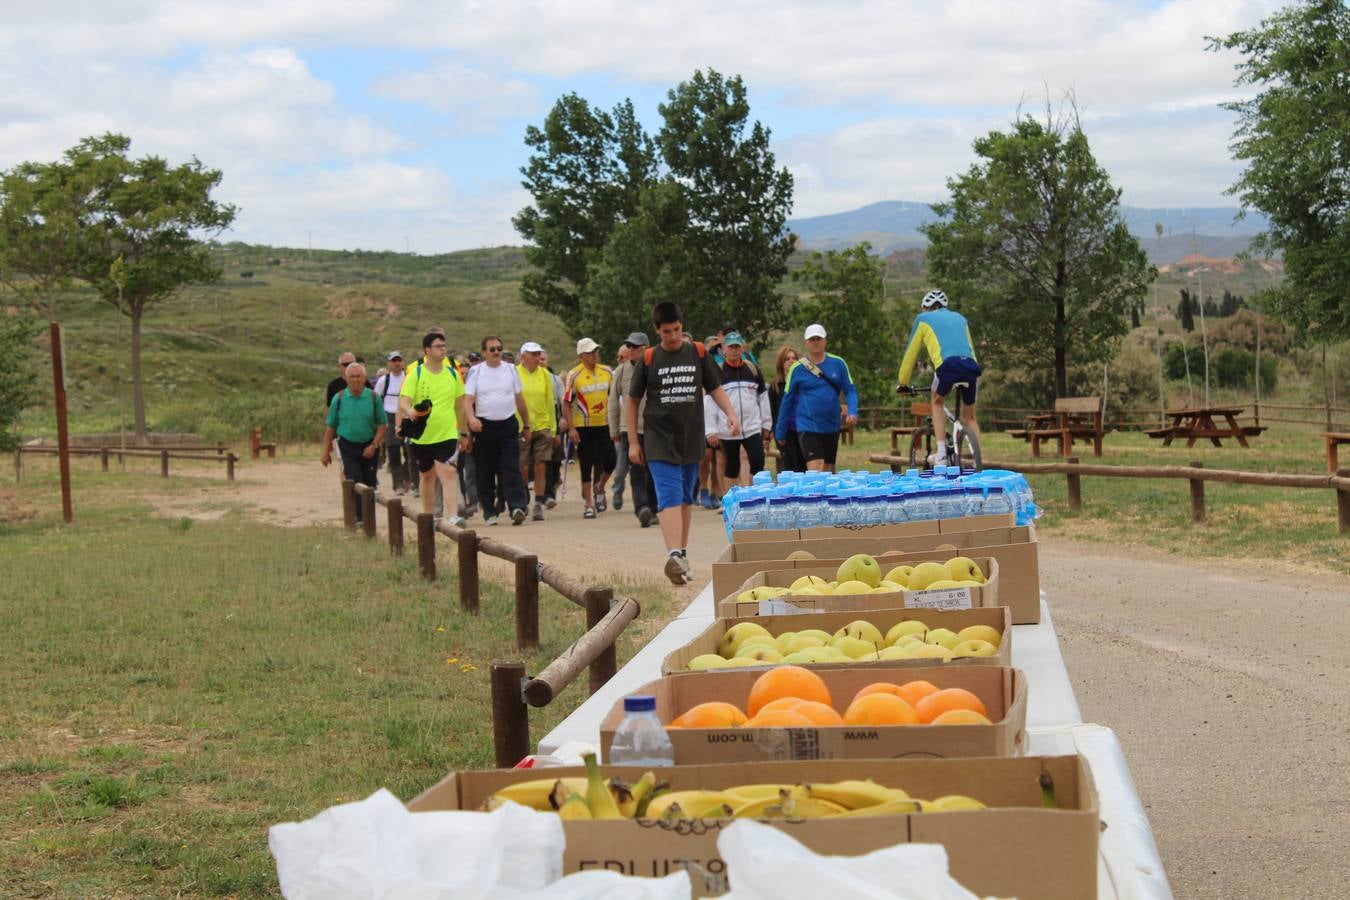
[167,693]
[1293,525]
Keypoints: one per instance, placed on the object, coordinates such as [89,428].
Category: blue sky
[387,124]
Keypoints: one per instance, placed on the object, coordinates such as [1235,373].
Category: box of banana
[1022,827]
[880,711]
[920,637]
[864,582]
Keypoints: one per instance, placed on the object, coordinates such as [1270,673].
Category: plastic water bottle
[873,511]
[641,739]
[810,511]
[748,515]
[997,501]
[974,501]
[921,506]
[837,511]
[781,515]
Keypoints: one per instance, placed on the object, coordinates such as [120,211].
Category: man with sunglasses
[495,398]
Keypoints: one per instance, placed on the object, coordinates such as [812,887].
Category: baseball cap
[815,330]
[586,345]
[727,326]
[393,354]
[637,339]
[475,356]
[733,339]
[531,347]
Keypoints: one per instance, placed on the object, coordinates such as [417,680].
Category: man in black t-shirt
[673,376]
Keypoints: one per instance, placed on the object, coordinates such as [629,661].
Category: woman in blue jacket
[811,402]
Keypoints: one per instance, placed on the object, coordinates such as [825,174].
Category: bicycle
[964,448]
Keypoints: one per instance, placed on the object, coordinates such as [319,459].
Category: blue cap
[639,703]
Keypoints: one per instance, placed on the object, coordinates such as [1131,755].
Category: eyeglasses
[493,349]
[343,365]
[438,346]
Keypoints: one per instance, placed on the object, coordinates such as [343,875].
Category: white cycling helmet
[934,299]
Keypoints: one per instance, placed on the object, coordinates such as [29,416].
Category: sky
[399,124]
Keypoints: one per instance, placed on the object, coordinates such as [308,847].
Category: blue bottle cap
[639,703]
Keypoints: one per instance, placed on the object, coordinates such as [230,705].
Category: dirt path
[1228,682]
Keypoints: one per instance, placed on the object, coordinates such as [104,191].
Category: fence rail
[1196,474]
[513,691]
[1334,418]
[105,453]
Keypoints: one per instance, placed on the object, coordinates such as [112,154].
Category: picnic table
[1074,417]
[1334,439]
[1198,422]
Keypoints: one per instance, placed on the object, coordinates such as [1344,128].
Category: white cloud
[477,98]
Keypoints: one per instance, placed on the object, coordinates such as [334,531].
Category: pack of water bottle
[860,498]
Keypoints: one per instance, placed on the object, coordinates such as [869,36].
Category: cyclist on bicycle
[945,334]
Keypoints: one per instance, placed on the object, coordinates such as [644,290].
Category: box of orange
[730,729]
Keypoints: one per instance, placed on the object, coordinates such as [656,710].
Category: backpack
[651,351]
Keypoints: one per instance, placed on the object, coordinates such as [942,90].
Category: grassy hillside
[258,347]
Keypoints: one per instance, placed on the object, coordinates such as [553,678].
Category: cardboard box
[1014,547]
[996,618]
[1002,690]
[1018,848]
[983,596]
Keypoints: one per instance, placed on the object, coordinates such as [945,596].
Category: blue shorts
[954,369]
[675,485]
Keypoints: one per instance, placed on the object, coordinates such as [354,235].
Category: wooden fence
[1001,418]
[513,691]
[105,453]
[1195,473]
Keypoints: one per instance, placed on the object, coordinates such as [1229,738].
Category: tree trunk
[1061,320]
[137,390]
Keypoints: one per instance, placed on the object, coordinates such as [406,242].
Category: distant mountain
[893,225]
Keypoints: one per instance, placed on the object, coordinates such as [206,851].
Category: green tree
[845,294]
[1033,247]
[1186,311]
[143,237]
[1294,137]
[18,373]
[44,208]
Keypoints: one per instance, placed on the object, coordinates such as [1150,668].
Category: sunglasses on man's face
[493,349]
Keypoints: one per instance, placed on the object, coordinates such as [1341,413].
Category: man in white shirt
[494,394]
[387,387]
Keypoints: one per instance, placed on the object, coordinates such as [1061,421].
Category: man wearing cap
[615,411]
[541,404]
[811,399]
[644,497]
[498,420]
[749,397]
[357,422]
[588,410]
[387,387]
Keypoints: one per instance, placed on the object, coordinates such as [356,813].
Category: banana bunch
[595,798]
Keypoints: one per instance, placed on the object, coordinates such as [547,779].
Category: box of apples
[919,637]
[853,712]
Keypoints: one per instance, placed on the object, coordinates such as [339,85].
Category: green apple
[824,636]
[852,587]
[737,633]
[900,629]
[981,633]
[925,574]
[755,640]
[707,661]
[853,647]
[963,568]
[900,575]
[861,628]
[808,655]
[760,652]
[896,652]
[860,567]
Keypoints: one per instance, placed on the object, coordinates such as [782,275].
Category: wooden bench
[1334,439]
[1075,417]
[258,446]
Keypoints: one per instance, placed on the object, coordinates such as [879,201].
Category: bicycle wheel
[965,452]
[920,444]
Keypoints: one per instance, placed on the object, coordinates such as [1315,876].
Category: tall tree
[1033,244]
[1186,311]
[586,175]
[845,294]
[18,373]
[1294,137]
[143,241]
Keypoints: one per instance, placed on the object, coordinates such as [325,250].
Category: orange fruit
[714,714]
[786,681]
[780,718]
[939,702]
[879,687]
[780,703]
[961,717]
[819,713]
[914,691]
[880,709]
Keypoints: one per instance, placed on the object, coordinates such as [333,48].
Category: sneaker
[550,502]
[459,521]
[490,521]
[715,501]
[600,501]
[538,512]
[517,516]
[589,513]
[674,569]
[688,569]
[618,499]
[645,516]
[705,499]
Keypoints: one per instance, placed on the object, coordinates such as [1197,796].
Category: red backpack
[651,351]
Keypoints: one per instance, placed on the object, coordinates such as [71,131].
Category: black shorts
[731,452]
[958,369]
[596,452]
[427,455]
[819,445]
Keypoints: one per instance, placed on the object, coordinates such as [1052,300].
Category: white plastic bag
[764,863]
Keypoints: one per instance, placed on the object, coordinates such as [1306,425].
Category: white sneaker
[458,521]
[490,520]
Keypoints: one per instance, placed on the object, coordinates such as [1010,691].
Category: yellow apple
[896,652]
[707,661]
[974,648]
[860,567]
[782,640]
[981,633]
[801,554]
[906,640]
[925,574]
[861,628]
[900,575]
[737,633]
[852,587]
[802,642]
[760,652]
[944,636]
[963,568]
[813,581]
[740,662]
[928,651]
[943,584]
[900,629]
[853,647]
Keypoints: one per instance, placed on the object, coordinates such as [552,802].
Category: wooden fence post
[103,458]
[18,465]
[598,601]
[510,716]
[1075,486]
[256,445]
[164,463]
[1342,504]
[527,601]
[395,507]
[426,545]
[368,511]
[467,543]
[1197,494]
[230,460]
[348,504]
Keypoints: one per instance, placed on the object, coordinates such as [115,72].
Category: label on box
[778,607]
[944,599]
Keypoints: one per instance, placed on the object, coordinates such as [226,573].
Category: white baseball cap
[586,345]
[815,330]
[531,347]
